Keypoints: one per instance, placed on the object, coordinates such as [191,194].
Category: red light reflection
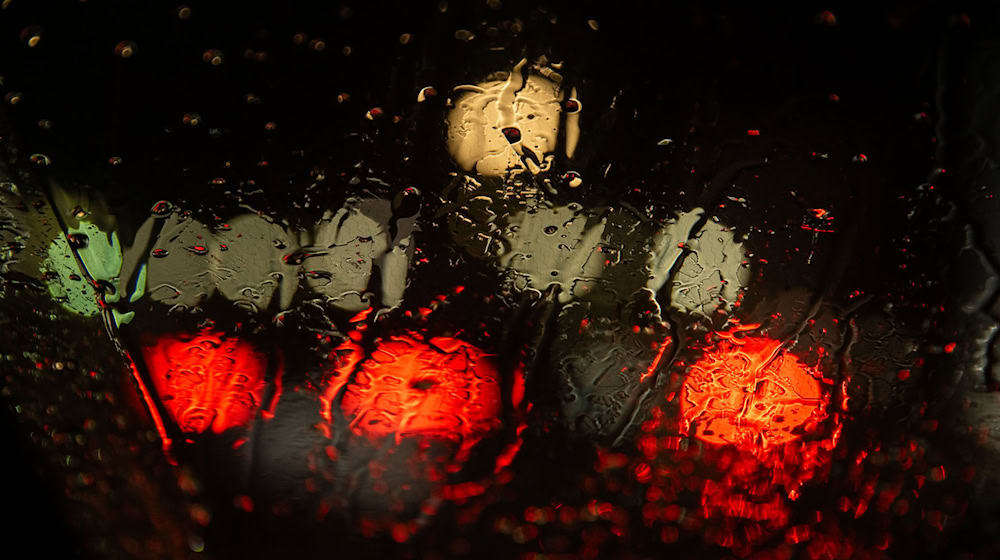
[748,392]
[206,381]
[446,388]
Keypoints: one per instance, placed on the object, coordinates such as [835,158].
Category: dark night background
[909,85]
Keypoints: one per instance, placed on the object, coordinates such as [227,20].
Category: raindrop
[343,97]
[270,126]
[115,160]
[549,230]
[317,44]
[198,249]
[105,287]
[183,12]
[45,124]
[12,248]
[318,275]
[279,244]
[299,38]
[125,49]
[213,57]
[512,133]
[32,35]
[407,202]
[41,160]
[191,119]
[196,543]
[826,17]
[405,38]
[592,23]
[572,105]
[162,209]
[79,213]
[159,253]
[573,179]
[426,93]
[78,240]
[13,97]
[252,99]
[464,35]
[374,113]
[860,158]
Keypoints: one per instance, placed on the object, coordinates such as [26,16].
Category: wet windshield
[499,279]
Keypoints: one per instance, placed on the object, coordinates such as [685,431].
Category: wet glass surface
[498,279]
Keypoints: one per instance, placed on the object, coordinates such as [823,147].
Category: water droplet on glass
[405,38]
[860,158]
[162,209]
[159,253]
[13,97]
[213,57]
[78,240]
[191,119]
[32,35]
[513,134]
[826,17]
[125,49]
[252,99]
[549,230]
[198,249]
[279,244]
[343,97]
[592,23]
[464,35]
[426,93]
[79,212]
[183,12]
[572,105]
[374,113]
[317,45]
[270,126]
[572,179]
[407,202]
[41,160]
[45,124]
[115,160]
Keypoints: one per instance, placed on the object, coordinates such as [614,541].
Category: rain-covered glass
[500,279]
